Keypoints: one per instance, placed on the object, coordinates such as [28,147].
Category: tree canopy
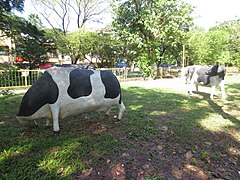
[144,31]
[157,28]
[30,41]
[27,36]
[9,5]
[219,44]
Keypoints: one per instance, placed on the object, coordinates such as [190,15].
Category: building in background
[6,47]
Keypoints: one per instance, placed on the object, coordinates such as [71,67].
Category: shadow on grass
[233,91]
[230,104]
[159,129]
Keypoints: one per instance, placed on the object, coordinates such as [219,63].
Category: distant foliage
[219,44]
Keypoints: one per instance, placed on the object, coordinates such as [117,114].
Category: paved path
[176,84]
[166,83]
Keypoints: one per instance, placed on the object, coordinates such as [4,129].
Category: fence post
[25,75]
[25,80]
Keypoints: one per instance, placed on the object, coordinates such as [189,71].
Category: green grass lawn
[165,134]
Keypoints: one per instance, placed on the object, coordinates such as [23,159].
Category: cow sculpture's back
[61,92]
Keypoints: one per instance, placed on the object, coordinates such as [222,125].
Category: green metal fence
[18,78]
[10,79]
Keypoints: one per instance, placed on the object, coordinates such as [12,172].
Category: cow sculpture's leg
[212,92]
[108,111]
[55,115]
[48,123]
[190,86]
[121,110]
[221,85]
[196,85]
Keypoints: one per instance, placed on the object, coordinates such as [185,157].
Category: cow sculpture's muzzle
[26,122]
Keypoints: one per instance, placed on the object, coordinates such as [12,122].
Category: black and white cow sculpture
[206,75]
[61,92]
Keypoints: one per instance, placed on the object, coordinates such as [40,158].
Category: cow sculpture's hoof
[56,133]
[47,127]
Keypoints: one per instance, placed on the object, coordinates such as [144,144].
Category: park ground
[165,134]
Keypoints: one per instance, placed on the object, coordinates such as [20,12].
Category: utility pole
[183,56]
[183,60]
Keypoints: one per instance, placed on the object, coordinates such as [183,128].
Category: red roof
[19,59]
[44,66]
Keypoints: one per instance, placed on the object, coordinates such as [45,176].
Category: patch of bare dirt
[163,157]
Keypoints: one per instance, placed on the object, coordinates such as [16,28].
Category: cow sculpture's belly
[212,81]
[82,105]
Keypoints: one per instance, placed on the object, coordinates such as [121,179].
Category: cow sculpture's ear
[56,133]
[220,69]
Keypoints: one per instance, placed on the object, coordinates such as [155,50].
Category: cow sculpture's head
[26,121]
[213,71]
[221,72]
[217,70]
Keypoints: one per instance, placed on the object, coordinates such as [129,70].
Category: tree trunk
[74,59]
[158,69]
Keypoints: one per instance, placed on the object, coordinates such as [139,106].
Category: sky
[207,13]
[97,23]
[210,13]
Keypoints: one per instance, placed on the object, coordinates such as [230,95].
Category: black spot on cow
[43,91]
[203,75]
[111,84]
[206,72]
[80,84]
[213,71]
[221,72]
[217,70]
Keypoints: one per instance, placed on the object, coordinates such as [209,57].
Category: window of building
[4,50]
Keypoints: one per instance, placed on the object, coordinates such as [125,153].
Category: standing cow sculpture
[61,92]
[206,75]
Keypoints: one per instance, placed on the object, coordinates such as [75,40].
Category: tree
[9,5]
[198,46]
[6,6]
[220,44]
[81,45]
[61,14]
[156,27]
[69,13]
[26,35]
[30,41]
[233,29]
